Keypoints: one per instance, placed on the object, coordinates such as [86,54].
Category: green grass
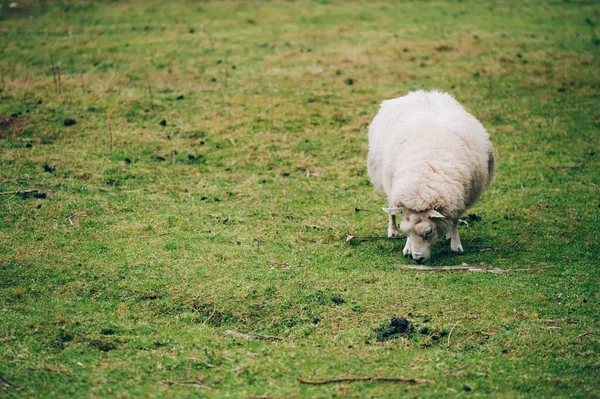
[234,215]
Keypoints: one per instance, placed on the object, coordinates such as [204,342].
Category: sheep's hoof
[458,249]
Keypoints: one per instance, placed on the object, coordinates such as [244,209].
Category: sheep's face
[423,230]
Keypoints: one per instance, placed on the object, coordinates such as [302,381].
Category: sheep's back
[426,151]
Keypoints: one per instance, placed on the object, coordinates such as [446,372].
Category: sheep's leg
[392,229]
[406,251]
[455,244]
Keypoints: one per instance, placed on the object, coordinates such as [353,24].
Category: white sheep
[432,160]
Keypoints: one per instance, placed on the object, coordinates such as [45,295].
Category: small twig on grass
[485,248]
[361,239]
[209,316]
[34,190]
[253,336]
[79,214]
[451,330]
[521,315]
[7,384]
[350,379]
[59,81]
[110,139]
[463,266]
[550,321]
[577,166]
[195,384]
[586,334]
[258,243]
[280,264]
[150,90]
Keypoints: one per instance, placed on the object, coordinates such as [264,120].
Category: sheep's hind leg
[392,229]
[455,244]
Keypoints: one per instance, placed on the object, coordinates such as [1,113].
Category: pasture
[199,169]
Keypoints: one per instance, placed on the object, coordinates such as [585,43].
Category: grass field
[217,165]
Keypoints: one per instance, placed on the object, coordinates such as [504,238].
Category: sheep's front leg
[455,244]
[392,229]
[406,251]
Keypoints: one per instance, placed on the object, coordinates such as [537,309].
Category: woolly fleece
[426,152]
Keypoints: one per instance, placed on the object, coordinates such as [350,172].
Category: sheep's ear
[435,214]
[393,211]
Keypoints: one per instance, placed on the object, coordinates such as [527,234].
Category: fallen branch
[485,248]
[550,321]
[350,379]
[7,384]
[35,190]
[253,336]
[195,384]
[463,266]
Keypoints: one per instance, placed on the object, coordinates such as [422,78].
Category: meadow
[174,175]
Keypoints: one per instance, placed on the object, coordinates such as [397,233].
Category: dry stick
[349,379]
[110,138]
[450,335]
[521,315]
[550,321]
[76,215]
[587,333]
[464,266]
[352,238]
[258,244]
[150,91]
[7,384]
[35,190]
[253,336]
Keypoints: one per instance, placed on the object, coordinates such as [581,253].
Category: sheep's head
[423,230]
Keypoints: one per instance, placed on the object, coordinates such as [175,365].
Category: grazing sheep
[432,160]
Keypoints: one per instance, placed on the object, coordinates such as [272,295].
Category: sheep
[432,160]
